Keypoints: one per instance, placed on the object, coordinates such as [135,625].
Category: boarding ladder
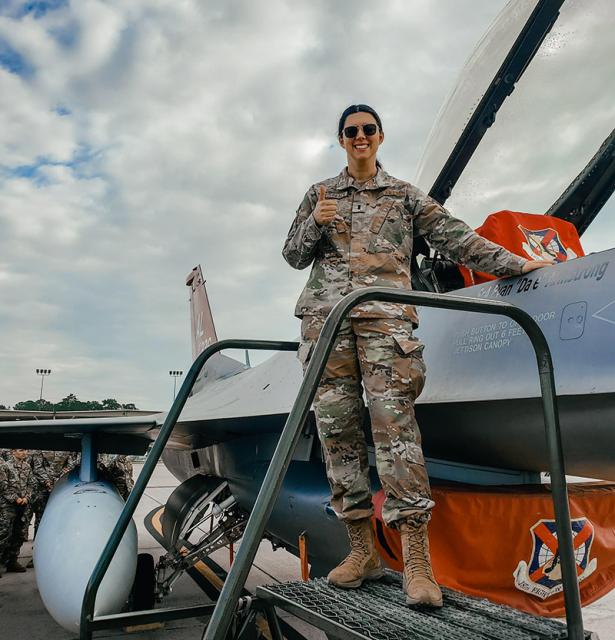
[376,610]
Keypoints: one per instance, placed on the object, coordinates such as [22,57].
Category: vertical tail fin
[201,319]
[204,334]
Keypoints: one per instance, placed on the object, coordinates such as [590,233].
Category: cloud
[150,136]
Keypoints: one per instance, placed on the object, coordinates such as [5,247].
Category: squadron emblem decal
[545,244]
[542,576]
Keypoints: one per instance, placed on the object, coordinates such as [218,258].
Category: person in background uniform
[43,484]
[118,468]
[5,526]
[114,467]
[16,484]
[48,467]
[74,460]
[356,230]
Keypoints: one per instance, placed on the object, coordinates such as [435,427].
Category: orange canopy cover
[529,235]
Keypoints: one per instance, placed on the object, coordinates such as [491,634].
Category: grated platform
[378,611]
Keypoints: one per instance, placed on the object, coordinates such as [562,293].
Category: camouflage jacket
[116,463]
[370,243]
[4,481]
[119,468]
[49,466]
[18,480]
[39,470]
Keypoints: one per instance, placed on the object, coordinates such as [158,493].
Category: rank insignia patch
[542,575]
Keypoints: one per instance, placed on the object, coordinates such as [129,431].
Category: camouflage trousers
[383,355]
[14,523]
[38,503]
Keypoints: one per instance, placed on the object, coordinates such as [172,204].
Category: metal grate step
[378,611]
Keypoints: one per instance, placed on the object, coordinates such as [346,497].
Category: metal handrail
[89,598]
[236,578]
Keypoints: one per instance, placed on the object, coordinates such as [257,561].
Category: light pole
[175,375]
[42,373]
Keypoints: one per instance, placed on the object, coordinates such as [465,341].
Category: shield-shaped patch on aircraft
[542,576]
[544,244]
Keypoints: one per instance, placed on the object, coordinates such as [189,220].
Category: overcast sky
[141,138]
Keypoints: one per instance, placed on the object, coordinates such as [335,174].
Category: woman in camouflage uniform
[356,230]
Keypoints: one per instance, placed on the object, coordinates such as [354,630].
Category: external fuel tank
[76,525]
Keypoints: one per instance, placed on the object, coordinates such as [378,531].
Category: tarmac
[23,616]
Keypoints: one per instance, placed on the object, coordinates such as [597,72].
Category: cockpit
[528,128]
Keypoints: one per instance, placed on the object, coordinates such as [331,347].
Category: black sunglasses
[368,130]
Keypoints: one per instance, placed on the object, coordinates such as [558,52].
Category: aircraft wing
[257,398]
[129,435]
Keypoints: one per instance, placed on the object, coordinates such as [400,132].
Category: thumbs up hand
[325,209]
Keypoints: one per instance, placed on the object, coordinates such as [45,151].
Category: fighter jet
[480,411]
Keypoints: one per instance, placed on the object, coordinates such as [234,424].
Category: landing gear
[200,517]
[143,594]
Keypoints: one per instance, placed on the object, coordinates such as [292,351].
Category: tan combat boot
[419,582]
[363,562]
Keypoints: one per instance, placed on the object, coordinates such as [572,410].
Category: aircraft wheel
[143,594]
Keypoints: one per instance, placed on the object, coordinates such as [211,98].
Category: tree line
[71,403]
